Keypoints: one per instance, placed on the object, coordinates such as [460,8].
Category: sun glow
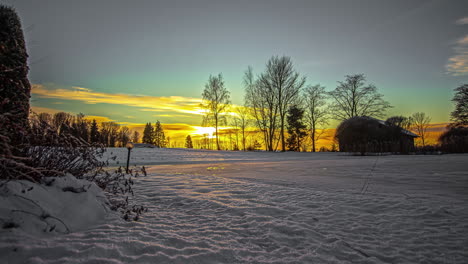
[204,131]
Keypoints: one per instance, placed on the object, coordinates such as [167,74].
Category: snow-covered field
[258,207]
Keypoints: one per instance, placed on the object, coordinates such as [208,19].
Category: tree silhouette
[15,88]
[241,121]
[124,136]
[460,115]
[260,100]
[421,124]
[354,97]
[296,128]
[396,131]
[159,139]
[315,112]
[188,142]
[109,133]
[135,137]
[455,140]
[94,132]
[148,134]
[284,83]
[216,100]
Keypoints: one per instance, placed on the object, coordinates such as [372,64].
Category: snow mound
[62,205]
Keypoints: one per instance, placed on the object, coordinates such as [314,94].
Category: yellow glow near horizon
[204,131]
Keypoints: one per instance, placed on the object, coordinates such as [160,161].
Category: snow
[262,207]
[38,209]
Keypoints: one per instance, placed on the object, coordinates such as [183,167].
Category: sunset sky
[141,61]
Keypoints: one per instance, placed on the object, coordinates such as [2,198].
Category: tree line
[285,110]
[109,134]
[280,112]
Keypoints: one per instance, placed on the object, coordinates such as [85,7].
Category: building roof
[404,131]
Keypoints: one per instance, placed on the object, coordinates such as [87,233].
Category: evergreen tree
[296,128]
[188,142]
[15,88]
[94,132]
[148,134]
[158,138]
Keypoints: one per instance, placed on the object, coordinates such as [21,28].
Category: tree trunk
[243,139]
[313,140]
[283,143]
[217,136]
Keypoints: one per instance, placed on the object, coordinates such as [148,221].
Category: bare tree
[241,121]
[135,136]
[124,136]
[315,112]
[109,133]
[460,114]
[421,124]
[61,121]
[354,97]
[216,100]
[260,100]
[396,132]
[206,138]
[284,83]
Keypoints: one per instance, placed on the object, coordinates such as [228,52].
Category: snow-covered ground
[259,207]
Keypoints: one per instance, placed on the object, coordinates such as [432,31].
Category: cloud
[99,119]
[180,104]
[462,21]
[38,109]
[170,115]
[177,127]
[463,41]
[458,64]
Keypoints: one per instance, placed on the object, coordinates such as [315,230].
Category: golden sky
[180,116]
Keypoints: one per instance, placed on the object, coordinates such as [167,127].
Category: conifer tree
[188,142]
[15,88]
[148,134]
[94,132]
[158,138]
[296,128]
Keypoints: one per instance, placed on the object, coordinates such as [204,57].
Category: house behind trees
[366,134]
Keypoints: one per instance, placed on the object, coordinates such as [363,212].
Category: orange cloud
[38,109]
[186,105]
[99,119]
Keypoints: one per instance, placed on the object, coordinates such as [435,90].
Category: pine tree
[94,132]
[148,134]
[158,138]
[188,142]
[15,88]
[296,128]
